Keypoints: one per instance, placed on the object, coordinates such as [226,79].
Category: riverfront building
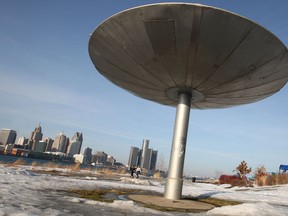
[145,158]
[7,136]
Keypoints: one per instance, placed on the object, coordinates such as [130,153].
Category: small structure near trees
[283,168]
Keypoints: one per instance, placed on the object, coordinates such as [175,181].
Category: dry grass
[106,171]
[51,165]
[34,164]
[121,171]
[157,175]
[275,179]
[74,168]
[218,202]
[18,162]
[97,195]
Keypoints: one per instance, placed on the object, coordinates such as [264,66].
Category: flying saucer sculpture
[188,56]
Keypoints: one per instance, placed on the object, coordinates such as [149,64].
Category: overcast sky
[47,77]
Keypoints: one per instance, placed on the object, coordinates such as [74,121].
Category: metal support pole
[174,183]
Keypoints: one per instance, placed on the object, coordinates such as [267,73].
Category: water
[6,159]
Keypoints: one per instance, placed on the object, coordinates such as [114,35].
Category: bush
[157,175]
[260,175]
[274,179]
[240,183]
[281,178]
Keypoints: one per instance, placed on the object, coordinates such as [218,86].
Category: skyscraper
[153,159]
[87,155]
[7,136]
[60,142]
[101,157]
[22,140]
[40,146]
[146,160]
[146,155]
[111,160]
[133,157]
[35,137]
[75,144]
[49,142]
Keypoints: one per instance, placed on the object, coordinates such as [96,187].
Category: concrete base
[172,205]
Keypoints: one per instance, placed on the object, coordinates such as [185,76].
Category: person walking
[132,170]
[138,171]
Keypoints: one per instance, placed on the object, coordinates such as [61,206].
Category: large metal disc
[220,58]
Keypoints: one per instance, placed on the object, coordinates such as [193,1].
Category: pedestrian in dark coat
[132,170]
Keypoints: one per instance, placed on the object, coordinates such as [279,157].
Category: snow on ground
[24,192]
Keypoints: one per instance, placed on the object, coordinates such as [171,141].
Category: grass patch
[218,202]
[97,195]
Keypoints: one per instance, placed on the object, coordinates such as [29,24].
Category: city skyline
[48,77]
[36,137]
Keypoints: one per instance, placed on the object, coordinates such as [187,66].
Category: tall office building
[133,157]
[75,144]
[146,159]
[146,155]
[22,140]
[49,142]
[153,159]
[7,136]
[67,144]
[35,137]
[60,142]
[87,155]
[110,159]
[40,146]
[101,157]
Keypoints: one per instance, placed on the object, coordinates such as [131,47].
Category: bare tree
[218,173]
[243,169]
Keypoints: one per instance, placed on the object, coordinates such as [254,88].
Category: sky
[25,192]
[47,77]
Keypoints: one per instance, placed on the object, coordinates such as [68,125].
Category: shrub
[157,175]
[281,178]
[260,175]
[272,179]
[243,169]
[234,180]
[121,171]
[239,182]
